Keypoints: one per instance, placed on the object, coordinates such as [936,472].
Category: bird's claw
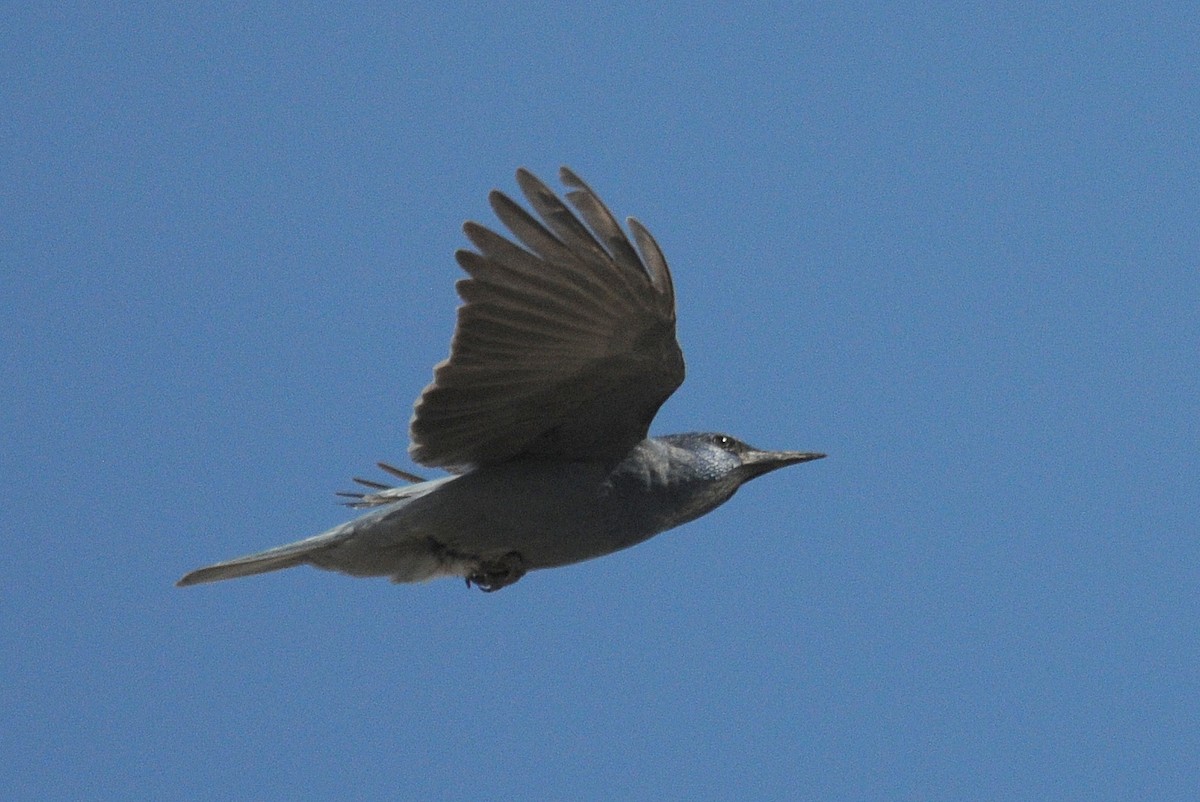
[491,575]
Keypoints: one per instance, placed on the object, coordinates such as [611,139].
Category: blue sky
[953,246]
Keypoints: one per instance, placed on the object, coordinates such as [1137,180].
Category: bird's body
[563,353]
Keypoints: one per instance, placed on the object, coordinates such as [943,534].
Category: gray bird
[564,351]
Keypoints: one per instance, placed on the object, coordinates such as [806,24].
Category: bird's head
[703,470]
[718,455]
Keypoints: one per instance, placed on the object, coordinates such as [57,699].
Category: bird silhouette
[563,352]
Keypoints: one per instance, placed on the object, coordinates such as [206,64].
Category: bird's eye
[723,441]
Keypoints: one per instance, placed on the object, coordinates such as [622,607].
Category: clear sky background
[955,247]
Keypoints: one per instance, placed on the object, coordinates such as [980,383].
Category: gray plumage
[564,350]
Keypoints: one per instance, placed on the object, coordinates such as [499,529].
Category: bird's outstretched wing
[564,347]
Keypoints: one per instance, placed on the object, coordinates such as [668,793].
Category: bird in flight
[563,352]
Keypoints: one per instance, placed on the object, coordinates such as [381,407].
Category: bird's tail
[302,551]
[275,559]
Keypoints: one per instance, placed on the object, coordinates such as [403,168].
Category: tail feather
[275,559]
[303,551]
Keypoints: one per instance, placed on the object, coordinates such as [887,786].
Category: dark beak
[756,463]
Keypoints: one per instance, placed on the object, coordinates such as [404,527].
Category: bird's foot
[491,575]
